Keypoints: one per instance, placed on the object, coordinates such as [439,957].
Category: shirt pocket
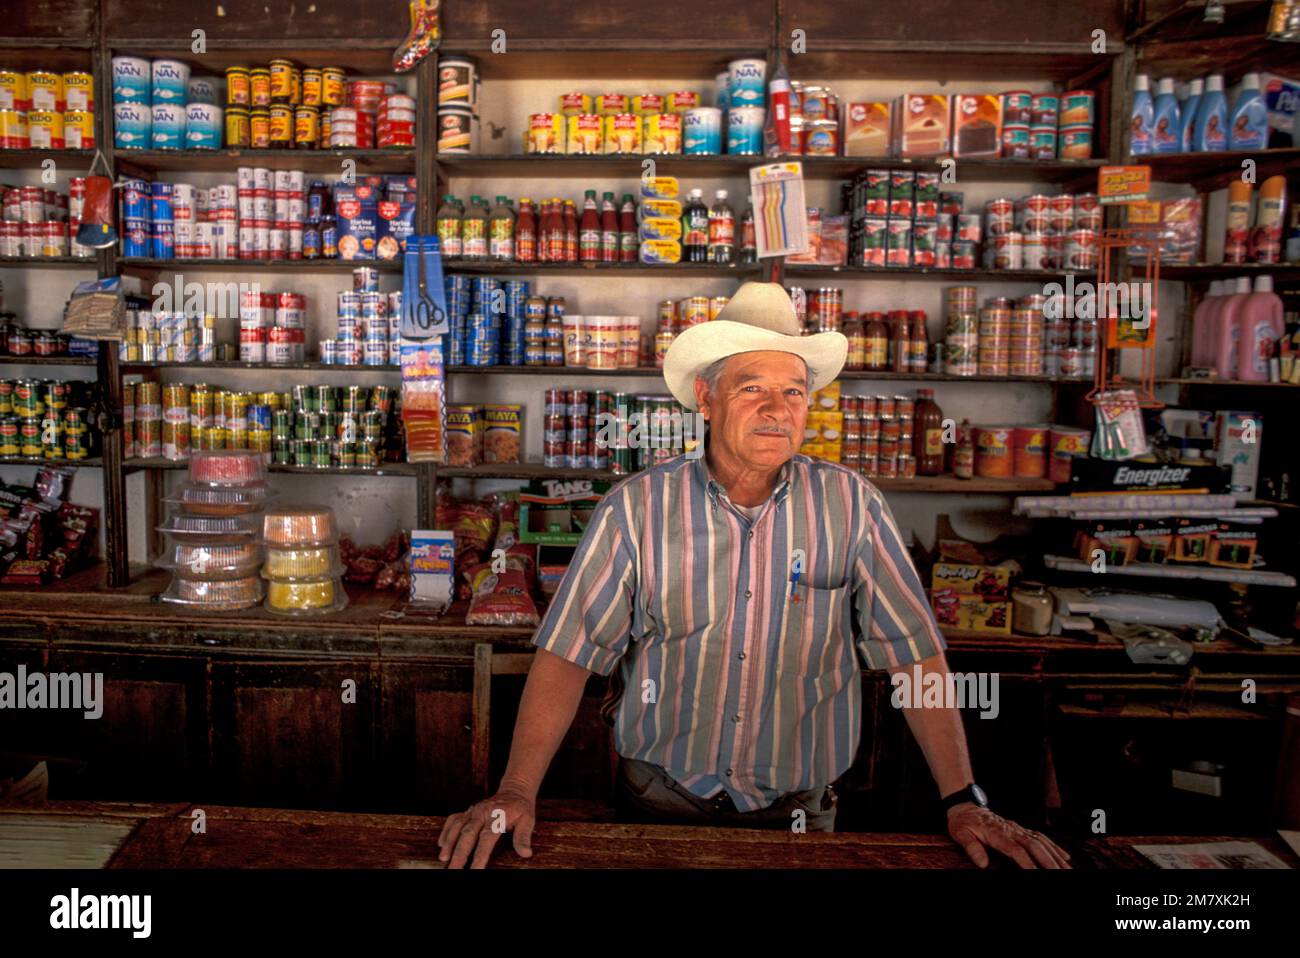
[818,633]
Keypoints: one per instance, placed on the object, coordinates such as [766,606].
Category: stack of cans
[573,436]
[496,322]
[272,327]
[45,419]
[961,342]
[168,337]
[369,331]
[40,222]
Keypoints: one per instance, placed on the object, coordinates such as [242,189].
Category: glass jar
[1031,612]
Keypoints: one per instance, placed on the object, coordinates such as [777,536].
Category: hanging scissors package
[424,299]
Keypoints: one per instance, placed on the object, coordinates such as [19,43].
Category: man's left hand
[975,829]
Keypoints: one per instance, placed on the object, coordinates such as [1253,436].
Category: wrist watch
[971,793]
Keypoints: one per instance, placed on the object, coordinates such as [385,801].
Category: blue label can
[203,126]
[135,236]
[747,86]
[168,126]
[171,82]
[162,243]
[131,80]
[204,90]
[135,200]
[160,203]
[132,126]
[702,131]
[745,130]
[722,90]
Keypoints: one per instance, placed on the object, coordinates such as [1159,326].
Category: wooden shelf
[1223,383]
[49,262]
[929,272]
[953,378]
[46,361]
[235,364]
[814,167]
[360,57]
[561,372]
[227,161]
[142,264]
[697,60]
[93,462]
[32,159]
[1281,272]
[579,269]
[1186,573]
[553,371]
[1209,171]
[386,469]
[525,470]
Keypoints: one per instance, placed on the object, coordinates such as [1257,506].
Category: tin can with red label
[1081,250]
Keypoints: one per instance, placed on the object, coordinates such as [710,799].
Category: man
[738,594]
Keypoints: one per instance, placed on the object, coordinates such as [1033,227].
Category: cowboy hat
[760,317]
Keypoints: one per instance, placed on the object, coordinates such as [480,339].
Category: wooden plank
[342,21]
[733,22]
[64,21]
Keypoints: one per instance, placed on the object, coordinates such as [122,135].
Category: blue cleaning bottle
[1211,131]
[1248,124]
[1187,112]
[1166,130]
[1139,138]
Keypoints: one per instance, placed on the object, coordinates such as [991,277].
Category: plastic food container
[215,500]
[212,560]
[305,596]
[219,595]
[227,467]
[184,527]
[299,526]
[304,563]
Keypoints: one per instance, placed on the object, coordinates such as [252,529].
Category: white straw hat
[760,317]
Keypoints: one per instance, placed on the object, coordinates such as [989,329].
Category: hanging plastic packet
[1119,433]
[424,391]
[421,39]
[96,229]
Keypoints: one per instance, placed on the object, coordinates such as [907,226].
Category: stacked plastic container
[212,534]
[303,568]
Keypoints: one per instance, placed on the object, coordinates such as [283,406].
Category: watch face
[978,794]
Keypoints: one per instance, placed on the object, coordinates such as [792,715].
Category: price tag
[1123,184]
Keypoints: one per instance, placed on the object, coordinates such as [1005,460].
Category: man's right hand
[476,831]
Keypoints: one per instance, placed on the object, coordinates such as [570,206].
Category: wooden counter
[161,836]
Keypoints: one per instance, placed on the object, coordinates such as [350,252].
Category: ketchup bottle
[526,232]
[927,434]
[589,245]
[544,233]
[609,238]
[629,240]
[570,231]
[901,338]
[917,343]
[877,336]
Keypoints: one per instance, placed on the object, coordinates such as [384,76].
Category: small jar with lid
[259,84]
[259,129]
[1031,609]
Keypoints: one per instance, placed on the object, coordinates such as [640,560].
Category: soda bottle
[722,231]
[695,229]
[449,227]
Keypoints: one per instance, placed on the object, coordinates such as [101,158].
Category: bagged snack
[499,598]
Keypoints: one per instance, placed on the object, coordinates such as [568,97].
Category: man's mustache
[773,431]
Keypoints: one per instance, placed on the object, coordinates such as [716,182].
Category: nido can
[45,91]
[79,92]
[45,130]
[79,129]
[13,130]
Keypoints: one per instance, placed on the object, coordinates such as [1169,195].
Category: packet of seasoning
[78,524]
[26,572]
[11,501]
[59,560]
[54,482]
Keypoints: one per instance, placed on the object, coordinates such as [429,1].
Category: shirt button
[741,655]
[751,533]
[748,594]
[735,718]
[728,773]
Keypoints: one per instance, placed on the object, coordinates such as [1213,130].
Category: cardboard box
[867,128]
[556,512]
[921,124]
[1233,546]
[1192,540]
[1237,439]
[1154,543]
[989,582]
[977,124]
[971,613]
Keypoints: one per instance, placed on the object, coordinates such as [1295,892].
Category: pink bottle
[1261,327]
[1203,325]
[1227,329]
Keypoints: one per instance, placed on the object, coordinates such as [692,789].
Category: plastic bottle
[1248,123]
[854,333]
[927,434]
[1187,113]
[1227,329]
[901,342]
[629,241]
[963,454]
[877,335]
[501,231]
[449,227]
[526,232]
[589,245]
[1211,132]
[1236,226]
[475,230]
[609,241]
[1261,327]
[1142,118]
[1166,130]
[917,342]
[748,239]
[1203,325]
[1293,238]
[722,231]
[695,229]
[1265,244]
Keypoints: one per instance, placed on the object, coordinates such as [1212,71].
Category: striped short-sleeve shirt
[739,642]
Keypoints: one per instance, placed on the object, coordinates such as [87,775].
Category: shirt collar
[715,489]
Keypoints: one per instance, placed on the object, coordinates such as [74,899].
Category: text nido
[946,690]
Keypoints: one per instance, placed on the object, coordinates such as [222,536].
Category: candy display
[159,105]
[268,214]
[47,110]
[38,222]
[304,575]
[42,535]
[47,419]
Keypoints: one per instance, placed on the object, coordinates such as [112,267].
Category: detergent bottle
[1211,131]
[1140,122]
[1203,325]
[1248,126]
[1227,329]
[1166,130]
[1187,112]
[1261,327]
